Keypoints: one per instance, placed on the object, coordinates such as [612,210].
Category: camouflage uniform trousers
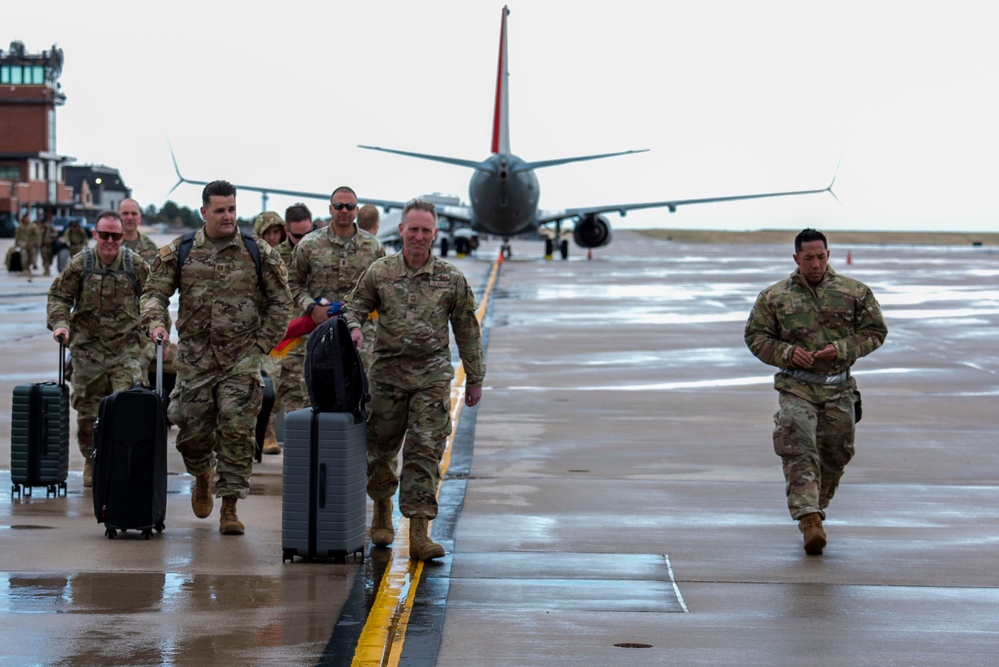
[288,377]
[815,442]
[216,412]
[290,389]
[47,257]
[92,381]
[29,258]
[418,422]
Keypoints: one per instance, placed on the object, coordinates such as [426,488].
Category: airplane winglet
[833,182]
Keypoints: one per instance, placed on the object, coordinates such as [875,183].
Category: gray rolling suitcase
[325,479]
[39,435]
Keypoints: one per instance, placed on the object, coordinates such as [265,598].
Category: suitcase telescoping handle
[159,366]
[62,362]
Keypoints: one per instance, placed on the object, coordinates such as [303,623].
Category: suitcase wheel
[111,533]
[159,527]
[146,534]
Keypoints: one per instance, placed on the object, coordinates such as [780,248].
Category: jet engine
[592,231]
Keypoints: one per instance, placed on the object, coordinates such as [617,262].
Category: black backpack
[334,374]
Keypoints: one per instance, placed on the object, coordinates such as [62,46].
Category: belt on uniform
[815,378]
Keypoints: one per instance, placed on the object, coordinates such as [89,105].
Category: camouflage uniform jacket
[49,235]
[76,239]
[224,316]
[285,249]
[791,313]
[327,265]
[414,309]
[102,315]
[143,246]
[28,236]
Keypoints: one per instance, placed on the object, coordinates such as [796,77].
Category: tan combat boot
[201,497]
[88,473]
[229,523]
[271,445]
[382,533]
[810,526]
[421,547]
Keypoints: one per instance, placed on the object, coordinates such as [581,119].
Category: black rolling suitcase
[130,452]
[14,264]
[39,438]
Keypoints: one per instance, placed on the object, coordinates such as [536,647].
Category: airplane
[504,190]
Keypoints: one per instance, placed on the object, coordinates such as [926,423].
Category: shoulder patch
[165,251]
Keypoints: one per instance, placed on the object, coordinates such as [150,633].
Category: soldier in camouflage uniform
[327,264]
[291,390]
[270,227]
[297,223]
[27,238]
[135,240]
[48,235]
[145,247]
[417,296]
[97,313]
[813,326]
[231,312]
[75,237]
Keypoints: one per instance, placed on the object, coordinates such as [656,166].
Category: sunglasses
[114,235]
[350,207]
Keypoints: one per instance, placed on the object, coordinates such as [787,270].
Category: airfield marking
[384,634]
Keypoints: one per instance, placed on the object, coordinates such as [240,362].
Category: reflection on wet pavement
[281,619]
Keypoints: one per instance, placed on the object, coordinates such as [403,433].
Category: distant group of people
[41,240]
[238,293]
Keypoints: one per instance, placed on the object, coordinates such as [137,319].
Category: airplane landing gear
[505,249]
[563,248]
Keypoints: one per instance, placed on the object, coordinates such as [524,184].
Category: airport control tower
[31,171]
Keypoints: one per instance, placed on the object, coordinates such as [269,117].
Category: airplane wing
[552,216]
[385,204]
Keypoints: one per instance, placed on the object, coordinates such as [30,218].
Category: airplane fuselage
[504,200]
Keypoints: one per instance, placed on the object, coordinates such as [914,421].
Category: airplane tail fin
[501,111]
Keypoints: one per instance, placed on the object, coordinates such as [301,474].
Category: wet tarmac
[614,500]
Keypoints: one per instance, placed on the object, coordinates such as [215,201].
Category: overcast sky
[731,98]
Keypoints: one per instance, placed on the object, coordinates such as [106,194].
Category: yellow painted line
[384,633]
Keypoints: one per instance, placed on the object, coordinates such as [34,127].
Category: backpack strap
[184,249]
[128,266]
[251,247]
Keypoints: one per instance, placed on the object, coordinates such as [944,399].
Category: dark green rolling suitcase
[39,438]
